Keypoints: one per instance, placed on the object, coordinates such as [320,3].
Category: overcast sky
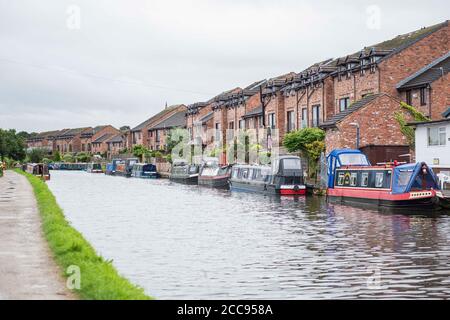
[118,62]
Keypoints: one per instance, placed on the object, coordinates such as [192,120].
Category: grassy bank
[99,279]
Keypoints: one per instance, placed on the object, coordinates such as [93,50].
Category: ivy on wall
[408,131]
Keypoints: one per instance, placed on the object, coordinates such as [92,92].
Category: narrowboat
[213,175]
[124,167]
[112,167]
[284,177]
[39,170]
[94,168]
[183,172]
[144,171]
[352,179]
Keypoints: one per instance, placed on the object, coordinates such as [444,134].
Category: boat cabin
[144,171]
[39,170]
[212,174]
[284,177]
[94,168]
[184,172]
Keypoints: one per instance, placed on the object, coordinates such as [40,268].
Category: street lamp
[355,124]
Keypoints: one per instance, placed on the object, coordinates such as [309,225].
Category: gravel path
[27,269]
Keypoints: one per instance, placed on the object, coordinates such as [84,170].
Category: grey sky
[129,57]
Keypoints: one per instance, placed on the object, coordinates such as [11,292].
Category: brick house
[199,123]
[158,133]
[140,134]
[90,136]
[44,140]
[100,146]
[380,134]
[428,89]
[116,145]
[69,141]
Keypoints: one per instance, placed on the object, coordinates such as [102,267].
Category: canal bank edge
[98,277]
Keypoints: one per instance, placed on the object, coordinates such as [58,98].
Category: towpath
[27,269]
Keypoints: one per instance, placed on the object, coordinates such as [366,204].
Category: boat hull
[214,182]
[189,180]
[383,199]
[268,189]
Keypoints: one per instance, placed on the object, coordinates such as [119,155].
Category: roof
[116,139]
[354,107]
[208,117]
[148,122]
[74,132]
[103,138]
[412,124]
[176,120]
[428,74]
[446,113]
[403,41]
[254,113]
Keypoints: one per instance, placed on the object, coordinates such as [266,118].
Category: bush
[36,155]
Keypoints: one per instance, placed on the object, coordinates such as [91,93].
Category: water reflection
[193,243]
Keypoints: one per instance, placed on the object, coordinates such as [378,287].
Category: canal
[184,242]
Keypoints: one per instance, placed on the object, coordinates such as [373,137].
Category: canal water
[185,242]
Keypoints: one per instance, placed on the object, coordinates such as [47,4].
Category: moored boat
[94,168]
[213,175]
[352,179]
[144,171]
[183,172]
[39,170]
[112,167]
[284,177]
[124,168]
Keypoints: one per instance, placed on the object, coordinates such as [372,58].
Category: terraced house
[140,134]
[158,133]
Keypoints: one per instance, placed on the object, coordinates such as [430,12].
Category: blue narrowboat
[94,168]
[352,179]
[144,171]
[112,167]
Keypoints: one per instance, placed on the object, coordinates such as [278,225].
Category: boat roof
[338,152]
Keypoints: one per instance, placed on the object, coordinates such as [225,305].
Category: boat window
[292,164]
[193,169]
[244,173]
[250,174]
[353,159]
[210,172]
[404,178]
[354,179]
[379,179]
[341,179]
[365,179]
[235,173]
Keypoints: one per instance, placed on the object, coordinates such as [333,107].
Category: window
[409,97]
[354,179]
[157,136]
[290,121]
[231,125]
[244,173]
[260,121]
[423,96]
[379,179]
[217,126]
[304,118]
[365,179]
[315,115]
[437,136]
[242,124]
[344,103]
[341,179]
[272,123]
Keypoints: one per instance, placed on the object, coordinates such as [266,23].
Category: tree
[36,155]
[68,158]
[125,128]
[141,152]
[310,142]
[11,145]
[83,157]
[57,156]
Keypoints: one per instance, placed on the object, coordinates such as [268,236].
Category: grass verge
[99,279]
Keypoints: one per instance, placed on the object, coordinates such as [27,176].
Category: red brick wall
[440,96]
[378,126]
[410,60]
